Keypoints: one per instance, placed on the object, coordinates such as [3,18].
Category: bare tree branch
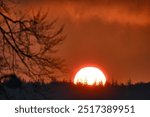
[31,43]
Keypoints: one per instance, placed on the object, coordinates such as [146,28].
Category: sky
[111,34]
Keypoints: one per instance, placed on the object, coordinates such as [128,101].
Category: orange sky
[113,34]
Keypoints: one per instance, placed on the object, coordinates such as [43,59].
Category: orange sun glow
[90,76]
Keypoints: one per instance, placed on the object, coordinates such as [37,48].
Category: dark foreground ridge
[16,89]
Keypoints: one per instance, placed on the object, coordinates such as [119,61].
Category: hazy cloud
[132,12]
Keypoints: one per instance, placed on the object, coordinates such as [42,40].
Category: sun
[90,76]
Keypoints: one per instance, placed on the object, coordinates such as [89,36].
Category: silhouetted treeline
[16,89]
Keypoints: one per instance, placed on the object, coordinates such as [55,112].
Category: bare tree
[28,45]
